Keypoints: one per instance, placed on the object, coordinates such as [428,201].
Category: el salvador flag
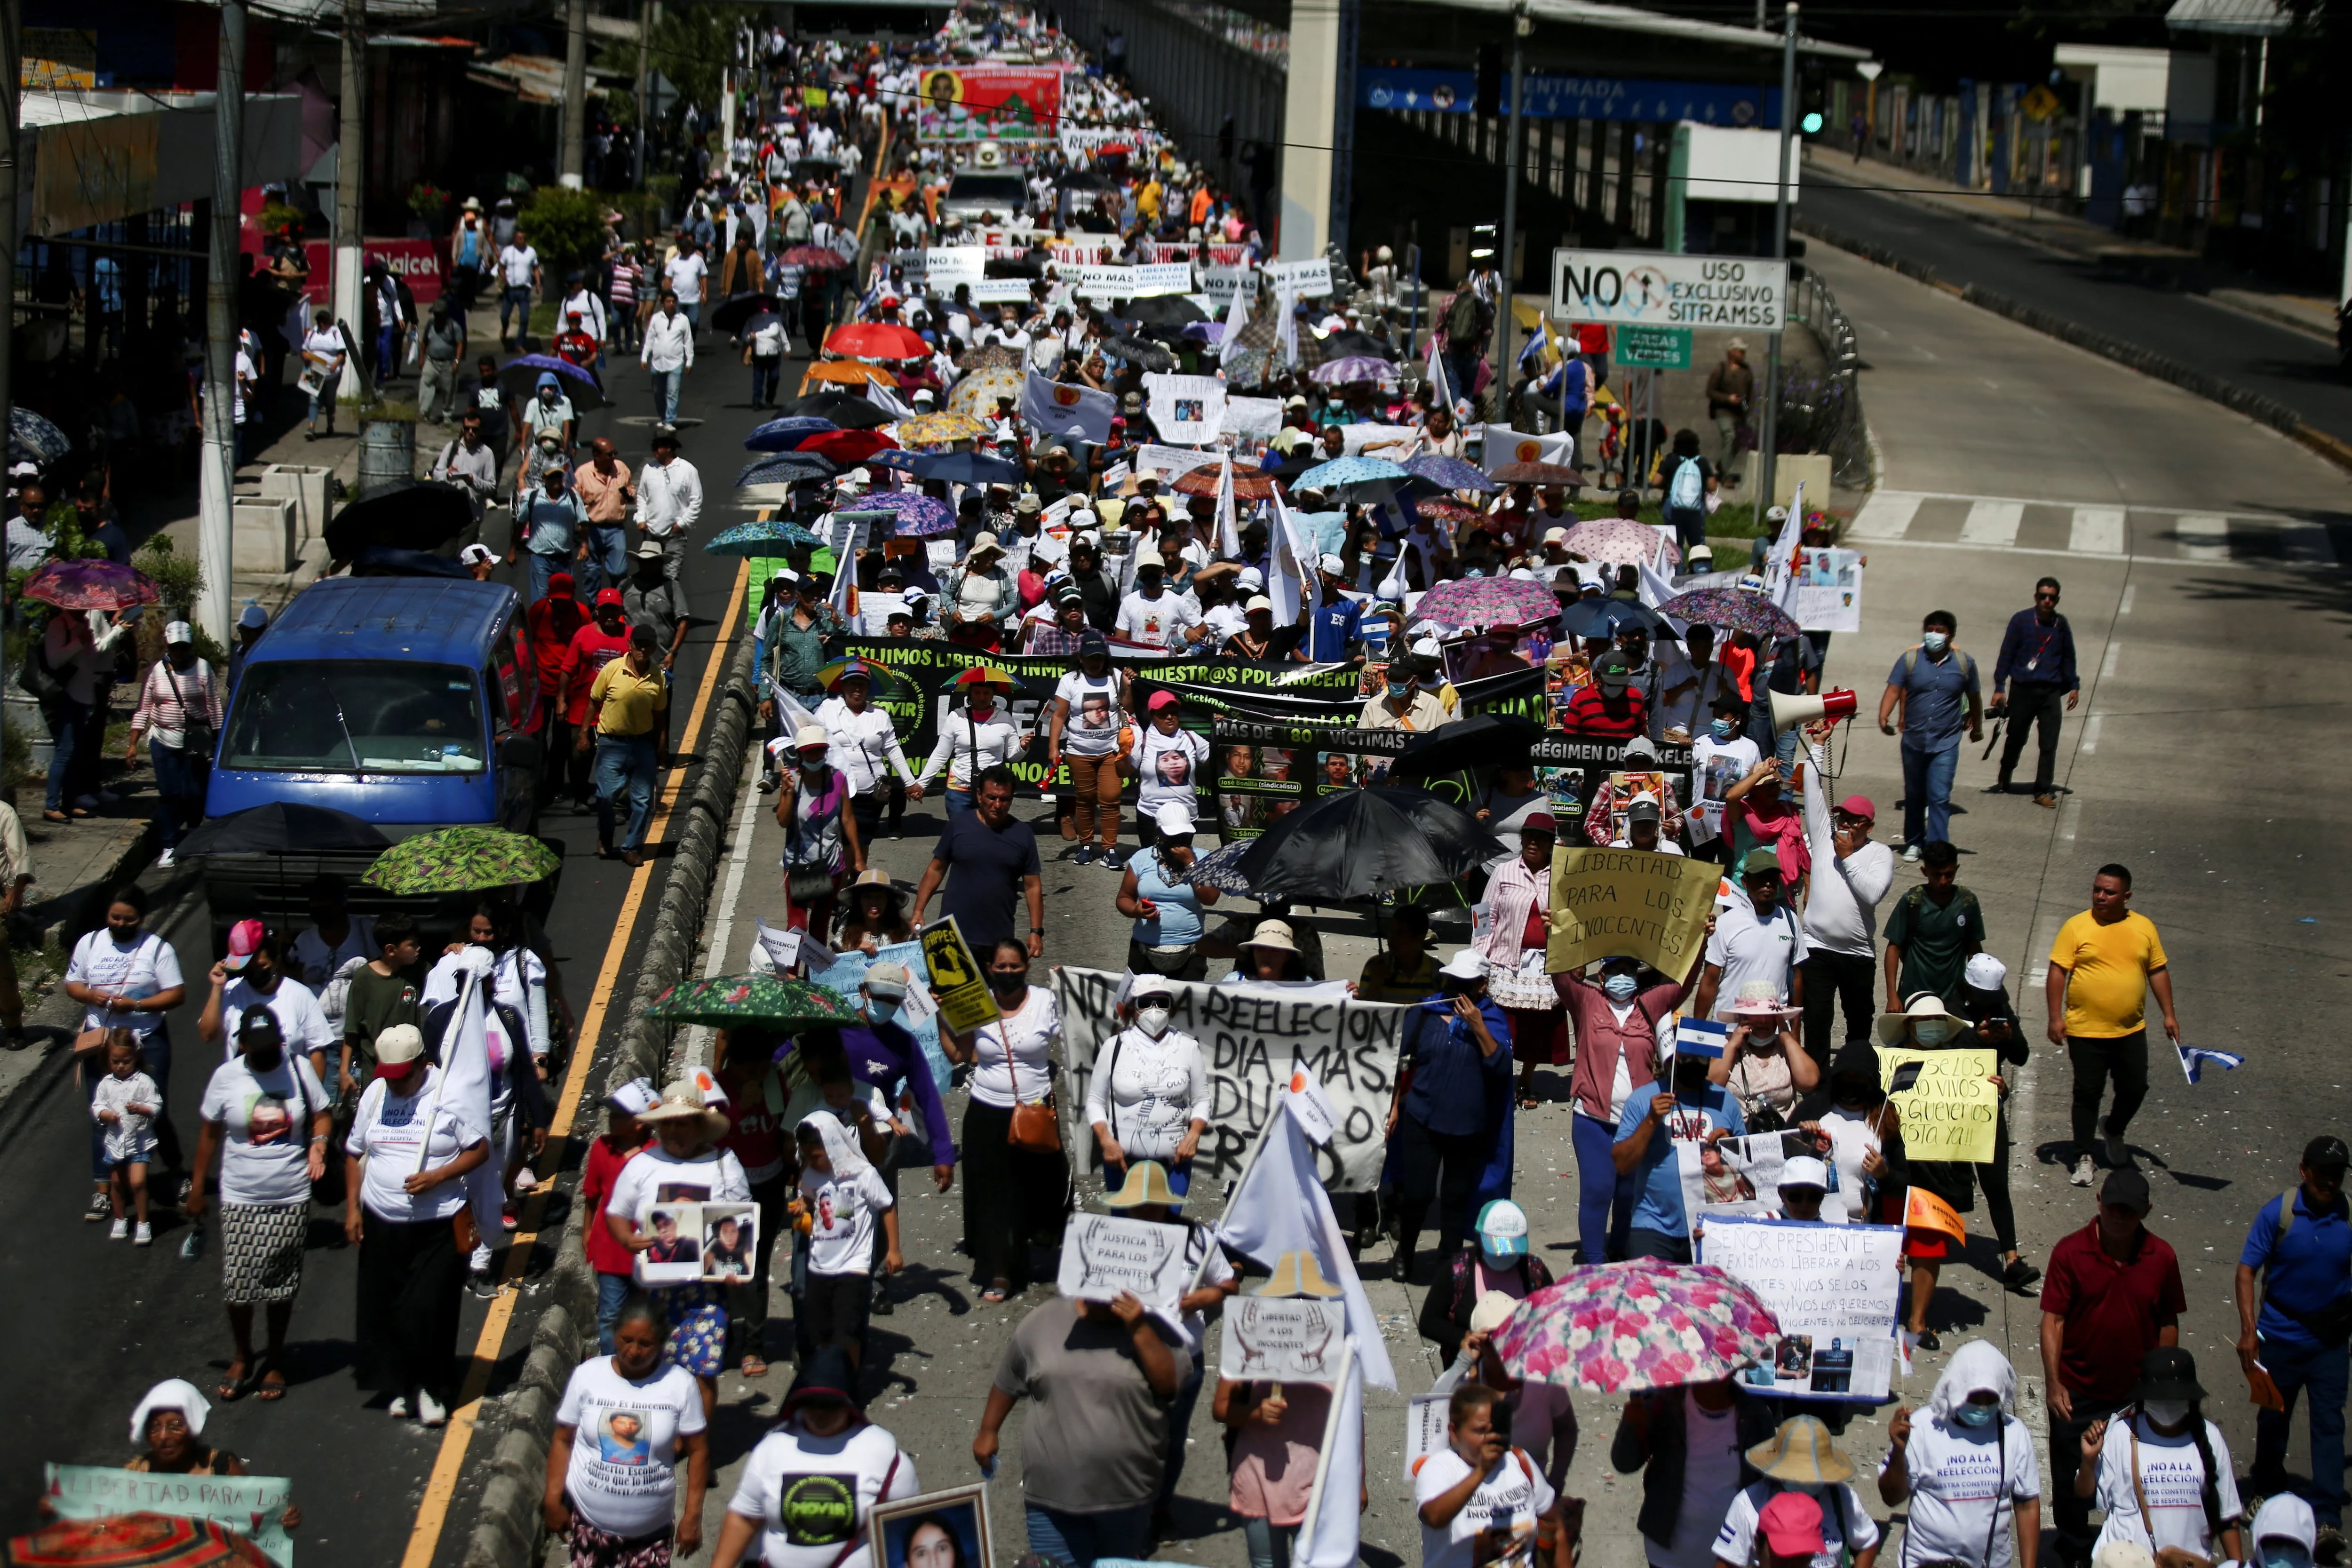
[2194,1058]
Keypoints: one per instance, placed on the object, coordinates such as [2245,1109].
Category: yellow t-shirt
[630,700]
[2107,969]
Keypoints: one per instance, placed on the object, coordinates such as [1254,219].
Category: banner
[1607,903]
[1162,278]
[1306,279]
[1949,1108]
[1106,282]
[252,1506]
[964,999]
[1546,95]
[1833,1289]
[1285,1341]
[946,265]
[1185,408]
[1504,445]
[988,103]
[917,1015]
[1105,1255]
[1222,283]
[1253,1037]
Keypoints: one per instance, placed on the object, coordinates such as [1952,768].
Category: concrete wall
[1195,82]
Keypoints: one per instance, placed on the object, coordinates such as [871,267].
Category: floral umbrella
[1220,869]
[1619,540]
[817,257]
[725,1000]
[1452,512]
[1353,368]
[1738,609]
[134,1541]
[33,439]
[1616,1328]
[764,536]
[1450,473]
[977,393]
[462,860]
[995,357]
[1487,602]
[89,585]
[1249,484]
[939,429]
[919,516]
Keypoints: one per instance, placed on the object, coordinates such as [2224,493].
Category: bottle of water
[193,1246]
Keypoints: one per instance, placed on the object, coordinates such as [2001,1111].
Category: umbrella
[724,1001]
[1348,340]
[134,1541]
[462,860]
[1349,471]
[1162,310]
[1480,741]
[1619,540]
[282,827]
[847,447]
[939,429]
[1740,609]
[783,435]
[1221,868]
[1614,1328]
[1140,351]
[1246,367]
[89,585]
[1537,474]
[730,316]
[966,468]
[1362,842]
[1249,484]
[976,392]
[33,439]
[407,514]
[815,257]
[764,536]
[829,675]
[893,457]
[787,467]
[1605,617]
[1486,600]
[918,516]
[1452,512]
[877,339]
[845,409]
[995,357]
[849,372]
[1450,473]
[1353,368]
[518,377]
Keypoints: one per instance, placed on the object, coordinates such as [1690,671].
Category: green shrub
[566,227]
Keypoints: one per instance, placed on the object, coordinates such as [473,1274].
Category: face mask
[1620,988]
[1008,982]
[880,1010]
[1153,1021]
[1974,1415]
[1720,728]
[1932,1031]
[1934,642]
[265,1059]
[2165,1412]
[2276,1553]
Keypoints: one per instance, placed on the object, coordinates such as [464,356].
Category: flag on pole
[2193,1060]
[1433,370]
[465,1088]
[1285,323]
[1286,572]
[1330,1536]
[1504,444]
[1236,319]
[1229,533]
[1059,409]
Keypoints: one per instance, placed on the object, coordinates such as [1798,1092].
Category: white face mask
[2165,1412]
[1934,642]
[1153,1021]
[1620,988]
[1932,1031]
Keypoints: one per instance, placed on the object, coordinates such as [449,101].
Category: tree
[566,227]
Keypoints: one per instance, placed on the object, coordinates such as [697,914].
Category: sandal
[234,1383]
[998,1290]
[268,1391]
[753,1367]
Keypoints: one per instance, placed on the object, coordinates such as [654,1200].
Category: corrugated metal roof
[1633,19]
[2255,19]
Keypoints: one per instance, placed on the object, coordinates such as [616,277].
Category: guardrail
[1834,408]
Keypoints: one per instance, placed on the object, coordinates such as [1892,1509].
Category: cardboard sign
[1607,903]
[1285,1341]
[1307,279]
[1106,282]
[1833,1287]
[964,999]
[1222,283]
[252,1506]
[1105,1255]
[1951,1112]
[1425,1421]
[1001,292]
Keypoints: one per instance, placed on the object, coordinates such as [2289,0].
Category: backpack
[1461,318]
[1688,491]
[1911,662]
[2332,1324]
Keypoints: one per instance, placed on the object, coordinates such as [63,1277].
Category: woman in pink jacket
[1519,904]
[1616,1021]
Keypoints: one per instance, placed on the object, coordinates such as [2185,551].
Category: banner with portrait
[988,103]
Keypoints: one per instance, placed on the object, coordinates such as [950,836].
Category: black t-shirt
[985,867]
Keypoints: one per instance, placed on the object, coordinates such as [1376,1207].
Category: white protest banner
[1106,282]
[783,947]
[1001,292]
[1827,595]
[1104,1255]
[1253,416]
[1285,1340]
[1253,1038]
[1833,1289]
[1185,408]
[1424,1420]
[1307,279]
[946,265]
[1222,283]
[252,1506]
[1163,277]
[1169,462]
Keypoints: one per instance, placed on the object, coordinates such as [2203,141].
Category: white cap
[635,1098]
[1332,565]
[809,735]
[1257,601]
[1251,578]
[1174,819]
[1494,1310]
[178,634]
[1804,1170]
[1467,965]
[400,1043]
[473,552]
[1554,535]
[1985,972]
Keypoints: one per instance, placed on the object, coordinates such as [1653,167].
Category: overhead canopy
[98,156]
[2247,18]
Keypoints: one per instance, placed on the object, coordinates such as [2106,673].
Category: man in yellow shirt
[2102,967]
[625,704]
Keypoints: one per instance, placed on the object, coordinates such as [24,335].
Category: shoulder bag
[1034,1127]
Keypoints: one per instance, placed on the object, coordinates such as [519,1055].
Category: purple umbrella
[1354,367]
[518,377]
[919,516]
[1487,602]
[783,435]
[1740,609]
[89,585]
[1450,473]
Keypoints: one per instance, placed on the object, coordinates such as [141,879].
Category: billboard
[990,103]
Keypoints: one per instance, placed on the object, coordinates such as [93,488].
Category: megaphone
[1789,710]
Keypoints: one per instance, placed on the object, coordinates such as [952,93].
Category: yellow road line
[441,1486]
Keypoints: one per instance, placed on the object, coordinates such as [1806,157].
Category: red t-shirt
[605,1254]
[552,623]
[591,652]
[2112,1310]
[753,1131]
[1592,713]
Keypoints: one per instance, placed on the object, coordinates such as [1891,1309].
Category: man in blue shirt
[1334,626]
[1657,1116]
[1931,694]
[2304,1259]
[1454,1115]
[2037,666]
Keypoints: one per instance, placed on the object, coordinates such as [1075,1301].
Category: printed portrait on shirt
[625,1438]
[266,1120]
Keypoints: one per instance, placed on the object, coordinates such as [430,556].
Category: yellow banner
[1952,1111]
[964,999]
[1607,903]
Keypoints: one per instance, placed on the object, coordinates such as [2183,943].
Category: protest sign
[1833,1289]
[917,1014]
[1727,1176]
[1922,1210]
[964,1001]
[252,1506]
[1253,1038]
[1950,1110]
[1307,279]
[1611,902]
[1163,277]
[1001,292]
[1253,416]
[1221,283]
[1286,1341]
[1186,407]
[1425,1421]
[1106,282]
[1104,1255]
[1827,593]
[946,265]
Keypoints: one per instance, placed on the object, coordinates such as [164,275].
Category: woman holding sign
[1519,902]
[1148,1098]
[1016,1187]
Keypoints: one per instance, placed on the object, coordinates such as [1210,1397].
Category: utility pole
[12,72]
[1768,434]
[216,476]
[571,156]
[645,64]
[1504,324]
[350,178]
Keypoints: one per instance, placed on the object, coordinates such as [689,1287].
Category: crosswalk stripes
[2156,535]
[1992,522]
[2096,531]
[1887,514]
[2203,536]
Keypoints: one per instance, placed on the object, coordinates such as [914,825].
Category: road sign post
[1654,348]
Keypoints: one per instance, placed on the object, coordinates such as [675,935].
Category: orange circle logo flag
[1065,396]
[1528,451]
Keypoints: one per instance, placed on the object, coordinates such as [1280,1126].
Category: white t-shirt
[1160,622]
[301,1022]
[515,265]
[1851,1137]
[388,1136]
[1716,766]
[684,274]
[843,1213]
[623,1473]
[266,1156]
[1844,1522]
[325,343]
[2173,1477]
[1665,846]
[1513,1495]
[314,962]
[1092,728]
[1167,768]
[1748,948]
[1031,1034]
[243,373]
[147,967]
[655,1175]
[1710,1480]
[833,1483]
[1956,1485]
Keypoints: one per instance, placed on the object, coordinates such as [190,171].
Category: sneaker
[1930,1341]
[883,1305]
[1083,855]
[142,1235]
[100,1207]
[397,1409]
[2117,1152]
[163,861]
[429,1410]
[1911,854]
[1114,861]
[481,1284]
[2020,1275]
[2085,1173]
[119,1231]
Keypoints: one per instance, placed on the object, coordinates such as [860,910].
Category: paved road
[2293,367]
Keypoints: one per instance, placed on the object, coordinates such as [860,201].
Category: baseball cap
[610,596]
[1760,860]
[1467,965]
[178,635]
[245,940]
[1503,1229]
[1174,820]
[1157,700]
[1257,601]
[1332,565]
[1539,822]
[886,979]
[643,637]
[1645,808]
[1859,806]
[2126,1190]
[635,1098]
[1791,1524]
[1554,535]
[2325,1150]
[1985,972]
[399,1043]
[1804,1170]
[253,617]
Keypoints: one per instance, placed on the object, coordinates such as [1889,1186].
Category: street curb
[2254,406]
[508,1524]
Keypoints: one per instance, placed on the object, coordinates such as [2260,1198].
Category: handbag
[1034,1126]
[196,729]
[40,682]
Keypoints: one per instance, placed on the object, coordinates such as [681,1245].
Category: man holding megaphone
[1931,695]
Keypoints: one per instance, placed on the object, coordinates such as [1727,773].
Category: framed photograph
[938,1530]
[675,1255]
[731,1243]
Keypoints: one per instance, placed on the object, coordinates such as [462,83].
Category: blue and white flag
[2194,1058]
[1700,1038]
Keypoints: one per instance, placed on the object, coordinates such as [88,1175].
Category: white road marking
[2107,665]
[2089,745]
[2070,815]
[2204,536]
[1992,522]
[1887,514]
[2123,608]
[2096,531]
[700,1039]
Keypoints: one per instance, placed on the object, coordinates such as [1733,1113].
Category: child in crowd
[621,1137]
[841,1194]
[382,992]
[126,1105]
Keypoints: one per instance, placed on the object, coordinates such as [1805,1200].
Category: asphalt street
[2295,368]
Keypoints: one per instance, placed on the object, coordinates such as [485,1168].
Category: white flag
[465,1088]
[1229,533]
[1285,323]
[1237,318]
[1330,1536]
[1059,409]
[1504,444]
[1286,572]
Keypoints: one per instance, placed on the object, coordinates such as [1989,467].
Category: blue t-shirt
[1661,1204]
[1452,1078]
[2308,1272]
[1936,711]
[1331,629]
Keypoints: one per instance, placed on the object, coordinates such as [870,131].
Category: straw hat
[1801,1451]
[1146,1187]
[1296,1273]
[1274,935]
[682,1099]
[1895,1027]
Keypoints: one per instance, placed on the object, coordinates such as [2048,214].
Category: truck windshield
[1006,188]
[375,716]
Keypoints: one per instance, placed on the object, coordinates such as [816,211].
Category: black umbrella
[1607,616]
[413,514]
[1363,843]
[730,316]
[518,379]
[1163,310]
[1480,741]
[283,827]
[1347,343]
[1149,355]
[844,409]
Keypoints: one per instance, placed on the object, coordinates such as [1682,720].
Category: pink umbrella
[1616,1327]
[89,585]
[1487,602]
[1620,541]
